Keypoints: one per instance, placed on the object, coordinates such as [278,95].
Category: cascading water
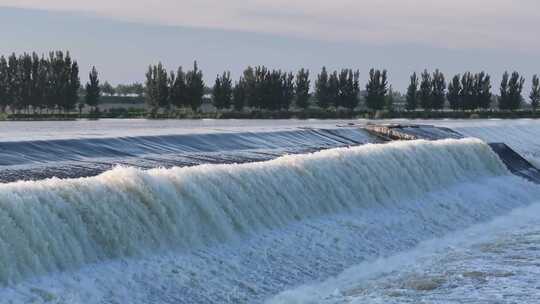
[299,218]
[82,157]
[520,135]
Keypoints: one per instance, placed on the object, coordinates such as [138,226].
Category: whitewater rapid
[493,262]
[241,233]
[521,135]
[59,224]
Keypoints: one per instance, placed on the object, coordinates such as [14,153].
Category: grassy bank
[309,114]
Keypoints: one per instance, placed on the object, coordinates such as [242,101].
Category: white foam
[520,134]
[409,276]
[57,224]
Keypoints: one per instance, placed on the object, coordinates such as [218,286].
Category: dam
[242,217]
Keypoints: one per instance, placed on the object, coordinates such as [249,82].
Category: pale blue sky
[121,38]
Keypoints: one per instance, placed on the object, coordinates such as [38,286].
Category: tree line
[33,83]
[270,89]
[179,89]
[262,88]
[468,91]
[122,89]
[30,82]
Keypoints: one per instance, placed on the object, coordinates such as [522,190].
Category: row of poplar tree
[468,91]
[263,88]
[37,82]
[32,82]
[258,88]
[180,89]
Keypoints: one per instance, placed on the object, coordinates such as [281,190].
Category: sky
[122,37]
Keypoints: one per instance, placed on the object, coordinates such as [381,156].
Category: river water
[356,222]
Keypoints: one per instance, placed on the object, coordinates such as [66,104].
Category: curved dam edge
[73,158]
[58,225]
[243,233]
[514,162]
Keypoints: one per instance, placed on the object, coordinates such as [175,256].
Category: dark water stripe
[35,160]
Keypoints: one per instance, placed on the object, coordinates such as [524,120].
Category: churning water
[410,215]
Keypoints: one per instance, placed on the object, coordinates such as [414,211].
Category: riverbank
[256,114]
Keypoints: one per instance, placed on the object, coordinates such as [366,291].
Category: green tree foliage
[438,90]
[222,91]
[137,88]
[178,90]
[108,89]
[333,89]
[42,84]
[73,87]
[343,82]
[261,88]
[515,88]
[270,86]
[35,86]
[510,91]
[14,83]
[535,92]
[412,93]
[93,90]
[273,91]
[239,95]
[129,89]
[376,89]
[349,89]
[267,89]
[504,97]
[64,81]
[322,89]
[482,90]
[390,99]
[454,93]
[4,84]
[287,90]
[194,87]
[157,88]
[28,82]
[426,91]
[301,88]
[57,80]
[250,87]
[355,91]
[467,95]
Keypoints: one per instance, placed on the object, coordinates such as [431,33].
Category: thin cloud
[498,24]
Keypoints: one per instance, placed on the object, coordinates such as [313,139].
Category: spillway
[82,157]
[249,216]
[308,215]
[516,163]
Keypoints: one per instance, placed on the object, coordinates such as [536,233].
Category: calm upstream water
[286,211]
